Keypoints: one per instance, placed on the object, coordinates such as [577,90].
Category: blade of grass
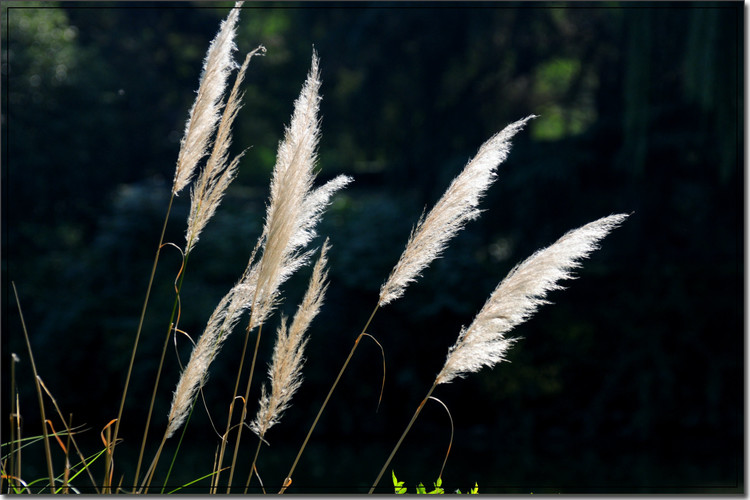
[193,482]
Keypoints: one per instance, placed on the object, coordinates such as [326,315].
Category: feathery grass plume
[205,113]
[518,296]
[294,208]
[457,206]
[285,371]
[221,323]
[216,176]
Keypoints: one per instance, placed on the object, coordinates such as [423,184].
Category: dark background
[632,381]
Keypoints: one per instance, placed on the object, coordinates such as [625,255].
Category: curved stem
[244,409]
[401,439]
[288,479]
[177,450]
[140,321]
[159,370]
[231,407]
[252,467]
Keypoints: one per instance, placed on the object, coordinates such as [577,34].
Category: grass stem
[47,450]
[161,366]
[244,409]
[140,321]
[288,479]
[234,398]
[252,466]
[401,439]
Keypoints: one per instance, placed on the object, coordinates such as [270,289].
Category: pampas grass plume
[450,214]
[218,173]
[295,207]
[518,296]
[205,114]
[286,366]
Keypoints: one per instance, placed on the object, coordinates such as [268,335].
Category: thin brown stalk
[15,431]
[401,439]
[47,451]
[140,324]
[70,433]
[288,480]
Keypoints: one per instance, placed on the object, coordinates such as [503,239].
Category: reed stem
[252,466]
[288,479]
[401,439]
[159,370]
[234,397]
[140,321]
[152,469]
[47,450]
[244,409]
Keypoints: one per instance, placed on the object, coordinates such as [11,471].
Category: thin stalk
[67,447]
[152,469]
[234,398]
[244,409]
[69,430]
[13,421]
[18,443]
[159,370]
[179,443]
[252,467]
[401,439]
[47,450]
[288,480]
[143,315]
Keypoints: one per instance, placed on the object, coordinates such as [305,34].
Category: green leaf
[475,489]
[398,486]
[421,490]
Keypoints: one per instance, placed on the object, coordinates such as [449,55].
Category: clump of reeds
[293,212]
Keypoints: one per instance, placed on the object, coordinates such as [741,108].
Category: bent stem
[234,398]
[140,325]
[161,366]
[288,480]
[244,409]
[401,439]
[252,467]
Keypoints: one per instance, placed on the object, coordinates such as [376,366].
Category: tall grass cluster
[296,205]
